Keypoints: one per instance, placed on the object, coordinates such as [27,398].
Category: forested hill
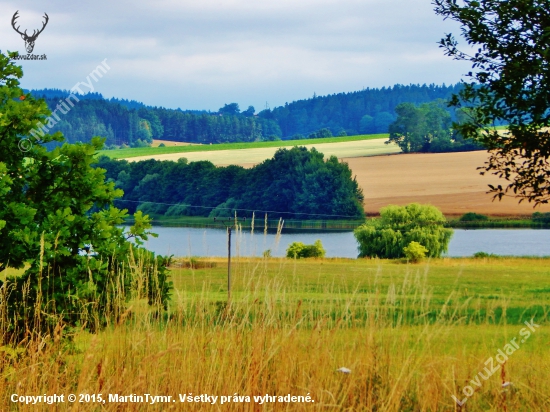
[366,111]
[132,123]
[53,94]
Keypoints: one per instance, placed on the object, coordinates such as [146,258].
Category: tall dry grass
[406,352]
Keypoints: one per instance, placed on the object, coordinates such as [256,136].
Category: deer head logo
[29,40]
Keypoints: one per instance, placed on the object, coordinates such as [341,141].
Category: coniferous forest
[131,123]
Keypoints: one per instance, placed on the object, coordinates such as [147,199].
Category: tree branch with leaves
[57,220]
[509,84]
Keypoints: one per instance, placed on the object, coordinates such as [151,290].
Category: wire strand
[237,209]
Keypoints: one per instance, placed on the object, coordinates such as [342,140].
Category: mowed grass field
[413,336]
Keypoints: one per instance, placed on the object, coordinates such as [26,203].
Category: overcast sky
[201,54]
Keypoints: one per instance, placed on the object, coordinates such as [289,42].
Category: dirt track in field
[449,181]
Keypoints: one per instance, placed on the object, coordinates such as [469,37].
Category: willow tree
[398,226]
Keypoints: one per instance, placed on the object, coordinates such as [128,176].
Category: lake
[182,241]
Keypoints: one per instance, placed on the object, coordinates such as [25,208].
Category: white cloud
[202,54]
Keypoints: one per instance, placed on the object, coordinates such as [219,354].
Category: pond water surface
[182,241]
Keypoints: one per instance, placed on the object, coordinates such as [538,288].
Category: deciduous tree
[417,128]
[58,221]
[398,226]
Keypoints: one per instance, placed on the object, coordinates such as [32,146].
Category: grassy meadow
[150,151]
[412,336]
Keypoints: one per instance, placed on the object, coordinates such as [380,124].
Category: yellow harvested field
[250,157]
[449,181]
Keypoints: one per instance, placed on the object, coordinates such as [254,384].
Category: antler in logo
[29,40]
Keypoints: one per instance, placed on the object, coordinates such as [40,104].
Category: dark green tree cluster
[296,183]
[367,111]
[57,219]
[427,128]
[215,128]
[49,94]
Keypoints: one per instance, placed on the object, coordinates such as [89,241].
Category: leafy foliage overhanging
[510,83]
[57,219]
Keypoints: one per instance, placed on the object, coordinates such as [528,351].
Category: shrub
[295,249]
[541,217]
[150,208]
[140,143]
[398,226]
[415,252]
[473,217]
[484,255]
[225,209]
[162,145]
[321,133]
[178,210]
[298,250]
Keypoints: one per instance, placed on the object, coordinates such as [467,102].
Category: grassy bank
[497,222]
[148,151]
[259,223]
[412,335]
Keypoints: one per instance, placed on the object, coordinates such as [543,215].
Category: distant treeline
[296,183]
[127,123]
[367,111]
[473,220]
[131,123]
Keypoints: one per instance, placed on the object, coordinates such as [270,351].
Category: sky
[203,54]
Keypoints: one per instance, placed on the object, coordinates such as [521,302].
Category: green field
[148,151]
[413,336]
[486,291]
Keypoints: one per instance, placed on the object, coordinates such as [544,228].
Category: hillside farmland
[449,181]
[250,157]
